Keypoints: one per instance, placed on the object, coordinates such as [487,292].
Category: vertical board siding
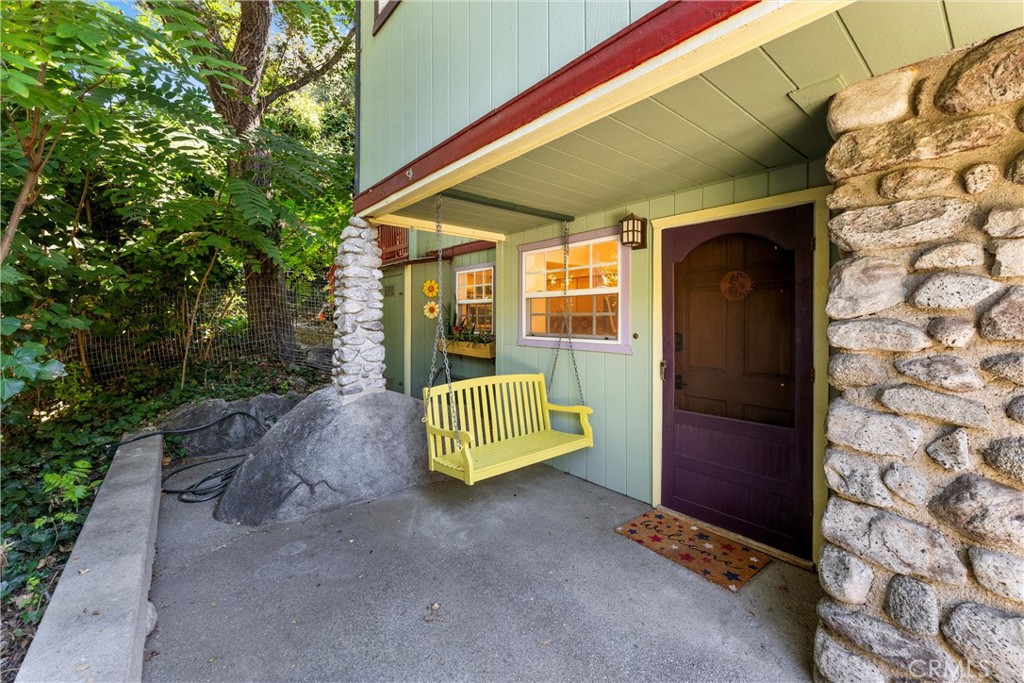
[618,387]
[435,67]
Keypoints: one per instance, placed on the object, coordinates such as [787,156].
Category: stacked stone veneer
[924,528]
[358,313]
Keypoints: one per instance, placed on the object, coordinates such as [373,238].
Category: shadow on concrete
[519,578]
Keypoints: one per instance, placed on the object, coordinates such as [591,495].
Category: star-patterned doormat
[718,559]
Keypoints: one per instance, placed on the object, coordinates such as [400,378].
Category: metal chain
[439,339]
[566,331]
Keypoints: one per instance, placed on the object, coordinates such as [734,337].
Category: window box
[471,349]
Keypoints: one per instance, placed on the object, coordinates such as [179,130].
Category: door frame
[820,258]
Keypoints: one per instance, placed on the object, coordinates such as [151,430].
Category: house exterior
[751,365]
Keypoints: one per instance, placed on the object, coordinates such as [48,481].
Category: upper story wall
[436,66]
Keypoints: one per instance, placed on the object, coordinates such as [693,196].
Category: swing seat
[504,424]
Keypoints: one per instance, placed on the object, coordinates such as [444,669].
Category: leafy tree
[281,47]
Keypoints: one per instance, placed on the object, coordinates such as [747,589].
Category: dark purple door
[737,390]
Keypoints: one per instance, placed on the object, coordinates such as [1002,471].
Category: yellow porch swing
[480,428]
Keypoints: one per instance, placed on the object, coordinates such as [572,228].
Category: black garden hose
[202,490]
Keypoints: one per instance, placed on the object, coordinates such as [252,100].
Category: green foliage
[51,469]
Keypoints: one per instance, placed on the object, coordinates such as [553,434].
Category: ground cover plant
[55,458]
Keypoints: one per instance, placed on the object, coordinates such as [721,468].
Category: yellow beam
[446,228]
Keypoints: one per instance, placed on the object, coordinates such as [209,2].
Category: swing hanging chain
[566,331]
[439,338]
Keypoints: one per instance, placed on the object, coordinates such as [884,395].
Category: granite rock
[983,510]
[839,665]
[952,451]
[902,224]
[1009,258]
[1001,573]
[913,605]
[988,75]
[945,372]
[871,431]
[1006,456]
[892,541]
[979,177]
[909,398]
[1015,171]
[891,145]
[910,183]
[845,577]
[873,101]
[1005,320]
[906,482]
[1015,409]
[849,196]
[846,370]
[1008,366]
[1005,221]
[988,637]
[856,478]
[863,285]
[953,290]
[949,331]
[907,653]
[877,334]
[952,255]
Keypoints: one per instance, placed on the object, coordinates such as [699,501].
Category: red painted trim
[646,38]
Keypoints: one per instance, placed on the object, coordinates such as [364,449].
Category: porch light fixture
[634,232]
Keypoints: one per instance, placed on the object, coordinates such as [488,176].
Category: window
[597,271]
[474,297]
[382,9]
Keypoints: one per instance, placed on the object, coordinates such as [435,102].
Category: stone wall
[925,522]
[358,313]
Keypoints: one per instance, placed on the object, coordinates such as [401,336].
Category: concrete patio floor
[531,580]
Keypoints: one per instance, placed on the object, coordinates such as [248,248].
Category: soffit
[764,109]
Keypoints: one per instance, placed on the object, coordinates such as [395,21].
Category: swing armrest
[583,411]
[462,437]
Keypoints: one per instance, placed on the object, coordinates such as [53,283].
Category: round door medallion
[736,285]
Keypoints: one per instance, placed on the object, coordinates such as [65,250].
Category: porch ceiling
[764,109]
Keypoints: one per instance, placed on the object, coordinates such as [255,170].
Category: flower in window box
[431,289]
[431,309]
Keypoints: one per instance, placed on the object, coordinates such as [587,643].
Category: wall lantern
[634,232]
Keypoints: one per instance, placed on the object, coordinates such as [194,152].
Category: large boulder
[324,454]
[232,433]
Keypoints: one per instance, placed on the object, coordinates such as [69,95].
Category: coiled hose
[212,485]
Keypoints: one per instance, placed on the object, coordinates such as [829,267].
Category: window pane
[534,263]
[606,326]
[579,256]
[579,278]
[538,306]
[582,304]
[555,282]
[582,325]
[538,324]
[535,283]
[488,276]
[608,303]
[606,252]
[606,276]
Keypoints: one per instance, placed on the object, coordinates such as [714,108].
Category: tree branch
[310,75]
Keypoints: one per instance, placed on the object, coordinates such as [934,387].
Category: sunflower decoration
[431,289]
[431,309]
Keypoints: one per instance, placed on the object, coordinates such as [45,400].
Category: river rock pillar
[358,313]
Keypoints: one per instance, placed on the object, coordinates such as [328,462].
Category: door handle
[661,370]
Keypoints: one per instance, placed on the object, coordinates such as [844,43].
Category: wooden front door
[737,389]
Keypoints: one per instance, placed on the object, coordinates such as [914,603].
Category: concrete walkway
[528,579]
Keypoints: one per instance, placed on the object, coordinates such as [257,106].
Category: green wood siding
[435,67]
[618,387]
[423,329]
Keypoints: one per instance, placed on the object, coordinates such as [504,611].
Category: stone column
[358,313]
[924,560]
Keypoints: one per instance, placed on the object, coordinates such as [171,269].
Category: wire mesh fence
[290,320]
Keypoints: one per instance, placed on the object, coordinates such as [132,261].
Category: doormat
[717,558]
